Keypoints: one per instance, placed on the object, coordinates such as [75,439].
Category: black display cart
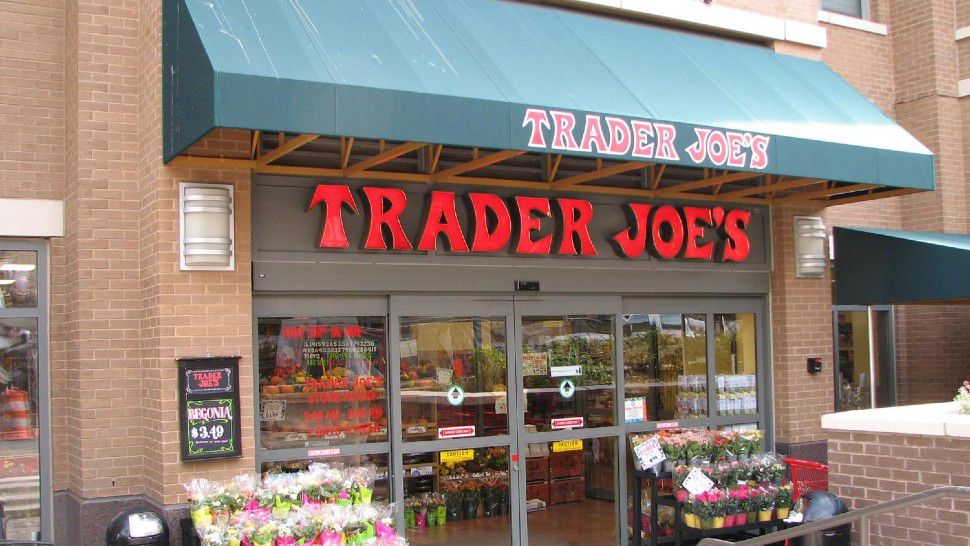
[681,531]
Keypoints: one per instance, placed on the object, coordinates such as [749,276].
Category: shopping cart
[807,476]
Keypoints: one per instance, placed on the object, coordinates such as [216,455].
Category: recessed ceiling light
[18,267]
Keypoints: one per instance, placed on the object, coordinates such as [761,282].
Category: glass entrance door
[566,376]
[456,442]
[24,393]
[507,429]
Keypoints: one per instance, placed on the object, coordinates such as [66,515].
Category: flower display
[963,398]
[323,506]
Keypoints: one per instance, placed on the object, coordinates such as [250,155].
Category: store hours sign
[209,424]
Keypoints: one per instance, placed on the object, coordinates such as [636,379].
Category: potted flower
[691,513]
[783,500]
[453,497]
[963,398]
[735,513]
[720,509]
[765,504]
[471,498]
[679,475]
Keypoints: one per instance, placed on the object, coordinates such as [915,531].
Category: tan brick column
[185,313]
[102,416]
[801,324]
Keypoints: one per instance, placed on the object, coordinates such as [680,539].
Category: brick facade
[869,468]
[80,121]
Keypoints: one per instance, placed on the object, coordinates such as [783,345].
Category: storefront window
[858,347]
[458,497]
[570,492]
[453,378]
[736,364]
[382,489]
[322,381]
[18,278]
[567,368]
[665,367]
[19,462]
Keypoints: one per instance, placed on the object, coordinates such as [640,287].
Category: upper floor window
[852,8]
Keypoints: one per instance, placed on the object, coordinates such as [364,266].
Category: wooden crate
[566,464]
[536,468]
[537,490]
[568,490]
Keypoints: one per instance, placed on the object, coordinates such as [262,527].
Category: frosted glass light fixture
[206,227]
[810,238]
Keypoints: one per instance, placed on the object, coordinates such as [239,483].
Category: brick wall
[801,323]
[868,468]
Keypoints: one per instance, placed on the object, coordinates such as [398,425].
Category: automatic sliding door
[568,370]
[456,450]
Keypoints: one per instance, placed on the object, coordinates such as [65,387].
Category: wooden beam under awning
[870,196]
[479,163]
[705,183]
[384,156]
[284,148]
[612,170]
[812,197]
[777,186]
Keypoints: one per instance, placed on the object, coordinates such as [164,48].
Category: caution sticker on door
[567,445]
[567,422]
[457,455]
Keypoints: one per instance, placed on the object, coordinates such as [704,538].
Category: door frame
[42,314]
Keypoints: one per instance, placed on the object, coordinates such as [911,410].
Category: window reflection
[736,364]
[567,368]
[19,463]
[453,377]
[18,278]
[322,381]
[665,366]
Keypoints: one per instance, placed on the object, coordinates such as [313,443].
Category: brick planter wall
[868,468]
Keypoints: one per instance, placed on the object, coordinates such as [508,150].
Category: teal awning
[464,73]
[881,266]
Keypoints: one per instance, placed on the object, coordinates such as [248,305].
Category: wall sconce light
[206,227]
[810,259]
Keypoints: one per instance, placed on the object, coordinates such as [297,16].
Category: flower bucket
[692,521]
[752,517]
[783,512]
[764,515]
[717,522]
[470,508]
[421,520]
[442,514]
[740,519]
[707,523]
[729,520]
[432,517]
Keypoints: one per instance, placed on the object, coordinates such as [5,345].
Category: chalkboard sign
[209,408]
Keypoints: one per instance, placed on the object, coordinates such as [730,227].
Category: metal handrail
[861,515]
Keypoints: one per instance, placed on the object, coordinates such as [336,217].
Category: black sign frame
[226,390]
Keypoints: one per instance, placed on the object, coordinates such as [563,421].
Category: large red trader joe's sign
[485,223]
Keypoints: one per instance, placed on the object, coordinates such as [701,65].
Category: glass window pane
[458,497]
[382,490]
[571,492]
[853,366]
[19,462]
[18,278]
[665,366]
[322,381]
[453,375]
[736,364]
[568,374]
